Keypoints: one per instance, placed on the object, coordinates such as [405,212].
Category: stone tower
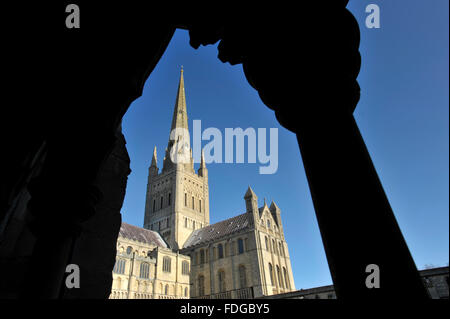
[177,199]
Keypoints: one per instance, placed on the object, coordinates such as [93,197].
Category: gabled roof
[142,235]
[218,230]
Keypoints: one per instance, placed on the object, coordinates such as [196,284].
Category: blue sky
[402,114]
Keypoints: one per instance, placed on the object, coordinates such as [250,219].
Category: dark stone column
[95,248]
[356,222]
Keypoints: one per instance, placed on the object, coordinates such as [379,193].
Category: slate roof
[141,235]
[217,230]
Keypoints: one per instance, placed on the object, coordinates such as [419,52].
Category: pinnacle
[250,193]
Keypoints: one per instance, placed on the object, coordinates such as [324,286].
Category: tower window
[286,279]
[271,273]
[280,282]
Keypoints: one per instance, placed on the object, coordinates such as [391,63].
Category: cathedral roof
[141,235]
[217,230]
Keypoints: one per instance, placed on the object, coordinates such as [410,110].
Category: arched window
[280,249]
[162,202]
[271,274]
[185,199]
[119,268]
[166,264]
[286,279]
[268,223]
[221,277]
[240,246]
[193,225]
[202,256]
[242,276]
[154,205]
[185,292]
[185,222]
[169,199]
[166,290]
[129,250]
[144,271]
[220,250]
[200,205]
[185,268]
[201,285]
[274,246]
[280,281]
[267,244]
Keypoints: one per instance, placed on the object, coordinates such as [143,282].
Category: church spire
[153,169]
[179,131]
[154,158]
[180,118]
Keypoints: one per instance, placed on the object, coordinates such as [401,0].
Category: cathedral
[179,254]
